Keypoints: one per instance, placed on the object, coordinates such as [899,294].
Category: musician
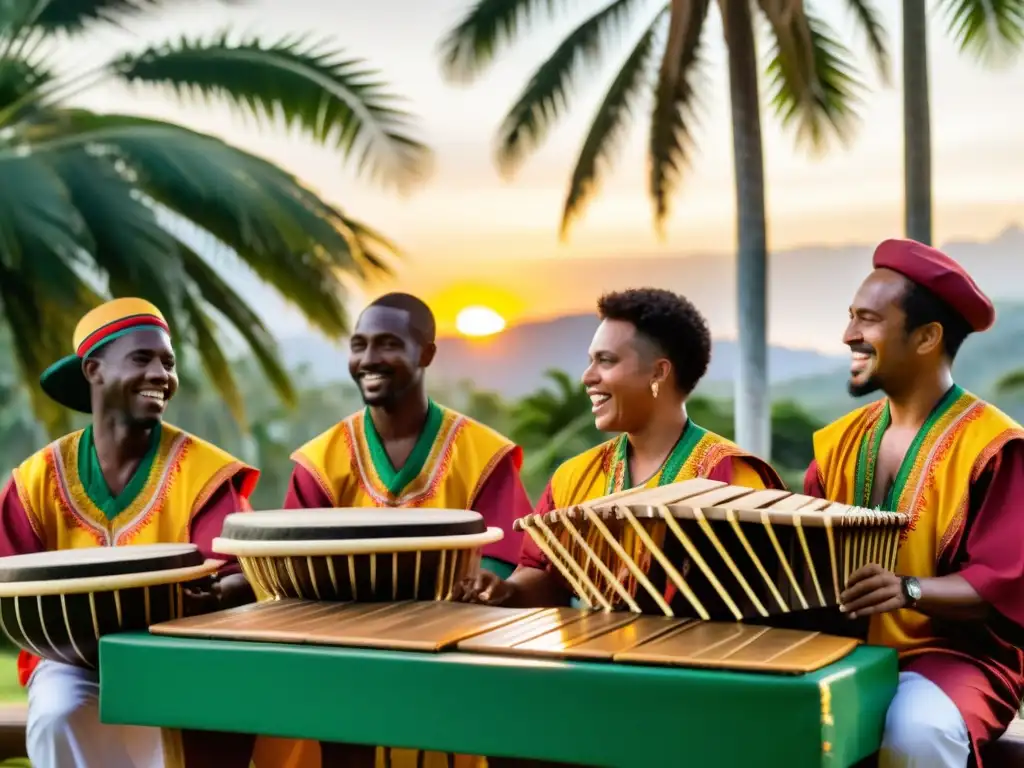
[954,609]
[402,450]
[647,355]
[127,478]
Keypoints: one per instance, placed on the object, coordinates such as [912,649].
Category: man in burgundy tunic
[954,609]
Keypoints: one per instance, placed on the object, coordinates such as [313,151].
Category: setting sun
[479,321]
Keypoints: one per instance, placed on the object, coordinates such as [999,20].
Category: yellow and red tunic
[181,492]
[604,470]
[960,482]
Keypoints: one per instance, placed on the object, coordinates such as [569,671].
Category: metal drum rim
[325,547]
[97,584]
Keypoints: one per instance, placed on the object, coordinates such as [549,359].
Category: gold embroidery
[426,484]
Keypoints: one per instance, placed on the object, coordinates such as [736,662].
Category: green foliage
[813,80]
[991,30]
[100,205]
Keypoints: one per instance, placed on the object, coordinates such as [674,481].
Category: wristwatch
[911,589]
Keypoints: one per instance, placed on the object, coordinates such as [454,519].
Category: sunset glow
[479,321]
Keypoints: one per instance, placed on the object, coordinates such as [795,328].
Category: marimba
[670,669]
[560,685]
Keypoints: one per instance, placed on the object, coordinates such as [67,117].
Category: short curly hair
[668,321]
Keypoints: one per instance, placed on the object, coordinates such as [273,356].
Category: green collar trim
[95,485]
[395,480]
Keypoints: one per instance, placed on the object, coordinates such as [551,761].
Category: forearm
[951,598]
[535,587]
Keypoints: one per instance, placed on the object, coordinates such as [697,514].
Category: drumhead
[98,561]
[352,523]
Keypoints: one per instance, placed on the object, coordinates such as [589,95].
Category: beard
[864,388]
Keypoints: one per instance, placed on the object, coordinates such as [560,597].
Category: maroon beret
[934,270]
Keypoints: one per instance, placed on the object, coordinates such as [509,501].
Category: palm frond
[20,78]
[870,22]
[37,216]
[221,297]
[212,358]
[41,302]
[671,140]
[991,30]
[373,248]
[285,233]
[1011,383]
[127,242]
[490,25]
[609,125]
[336,101]
[811,75]
[73,16]
[546,97]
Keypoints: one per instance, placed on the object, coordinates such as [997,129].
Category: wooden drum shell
[362,577]
[68,628]
[62,617]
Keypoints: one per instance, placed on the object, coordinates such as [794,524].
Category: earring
[654,389]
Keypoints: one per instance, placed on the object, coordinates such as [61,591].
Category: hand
[485,587]
[201,597]
[870,590]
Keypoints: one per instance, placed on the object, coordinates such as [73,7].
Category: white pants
[923,728]
[64,728]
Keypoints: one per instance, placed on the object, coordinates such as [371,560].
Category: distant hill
[810,289]
[982,361]
[513,363]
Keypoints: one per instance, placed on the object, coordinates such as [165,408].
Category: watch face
[913,589]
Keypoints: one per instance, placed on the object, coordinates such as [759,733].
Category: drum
[57,605]
[357,555]
[705,549]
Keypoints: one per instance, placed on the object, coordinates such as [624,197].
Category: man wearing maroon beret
[954,609]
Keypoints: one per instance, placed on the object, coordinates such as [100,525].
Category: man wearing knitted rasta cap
[127,478]
[954,609]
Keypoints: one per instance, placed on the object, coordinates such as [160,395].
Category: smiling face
[386,360]
[883,354]
[134,376]
[619,378]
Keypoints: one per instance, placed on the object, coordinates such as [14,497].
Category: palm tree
[94,205]
[812,83]
[988,30]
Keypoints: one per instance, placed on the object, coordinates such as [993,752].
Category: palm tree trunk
[753,423]
[917,139]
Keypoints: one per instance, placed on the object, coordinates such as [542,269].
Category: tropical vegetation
[100,204]
[985,29]
[813,88]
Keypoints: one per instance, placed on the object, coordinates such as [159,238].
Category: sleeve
[17,536]
[208,522]
[747,472]
[813,485]
[994,559]
[500,501]
[530,555]
[304,492]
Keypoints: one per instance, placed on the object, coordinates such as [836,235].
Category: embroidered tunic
[961,483]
